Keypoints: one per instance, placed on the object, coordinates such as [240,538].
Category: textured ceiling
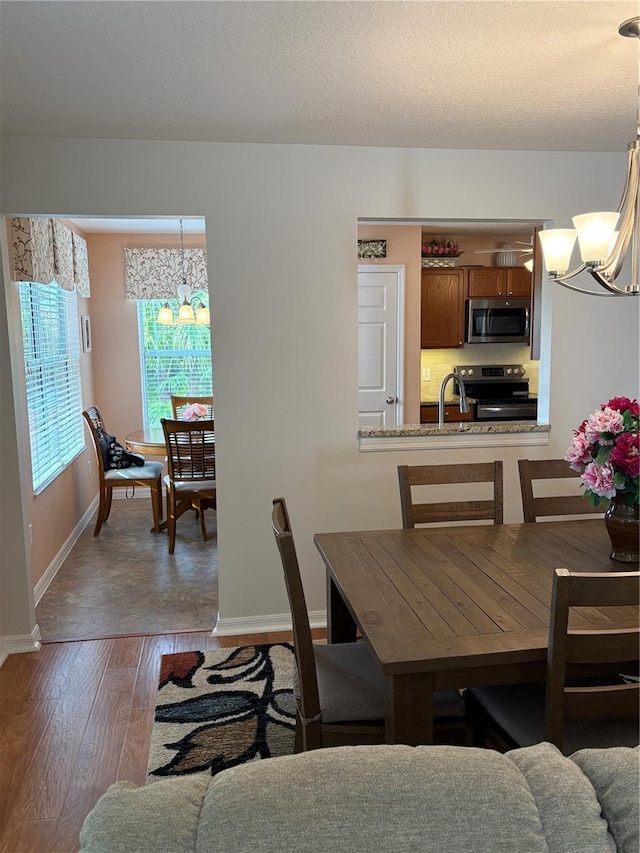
[518,74]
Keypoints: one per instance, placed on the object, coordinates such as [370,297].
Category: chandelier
[187,316]
[606,238]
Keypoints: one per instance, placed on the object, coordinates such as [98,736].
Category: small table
[451,607]
[148,441]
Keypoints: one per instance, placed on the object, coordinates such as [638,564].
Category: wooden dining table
[148,441]
[454,607]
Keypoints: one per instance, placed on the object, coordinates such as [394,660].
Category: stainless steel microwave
[497,321]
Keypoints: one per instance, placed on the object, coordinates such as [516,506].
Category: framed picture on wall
[372,248]
[85,323]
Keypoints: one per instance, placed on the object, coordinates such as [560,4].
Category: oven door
[506,410]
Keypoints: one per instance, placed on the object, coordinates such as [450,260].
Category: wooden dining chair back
[553,505]
[191,479]
[591,695]
[179,404]
[341,696]
[148,475]
[309,700]
[570,648]
[413,476]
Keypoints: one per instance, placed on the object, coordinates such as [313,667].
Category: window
[174,359]
[52,371]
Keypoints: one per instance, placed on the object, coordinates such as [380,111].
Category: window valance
[45,250]
[155,273]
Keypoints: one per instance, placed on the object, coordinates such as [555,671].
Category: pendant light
[186,314]
[603,249]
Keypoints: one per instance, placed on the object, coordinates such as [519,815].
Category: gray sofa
[444,799]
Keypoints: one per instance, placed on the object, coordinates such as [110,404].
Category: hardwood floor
[74,718]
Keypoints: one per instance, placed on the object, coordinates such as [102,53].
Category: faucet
[464,405]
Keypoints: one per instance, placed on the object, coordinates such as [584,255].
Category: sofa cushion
[615,776]
[565,799]
[432,799]
[360,799]
[161,817]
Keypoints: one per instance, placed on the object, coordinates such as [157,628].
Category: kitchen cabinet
[487,282]
[452,414]
[442,308]
[519,281]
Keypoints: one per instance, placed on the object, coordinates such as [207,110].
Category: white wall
[281,224]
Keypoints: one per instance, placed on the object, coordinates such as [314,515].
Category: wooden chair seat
[518,710]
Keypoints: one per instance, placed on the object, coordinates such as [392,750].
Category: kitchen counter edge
[454,436]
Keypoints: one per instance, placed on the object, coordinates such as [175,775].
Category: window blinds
[52,372]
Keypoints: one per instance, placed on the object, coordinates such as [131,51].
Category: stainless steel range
[501,391]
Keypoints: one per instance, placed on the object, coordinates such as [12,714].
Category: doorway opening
[124,582]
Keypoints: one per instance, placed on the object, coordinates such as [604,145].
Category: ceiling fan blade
[499,251]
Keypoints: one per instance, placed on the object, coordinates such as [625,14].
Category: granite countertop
[466,427]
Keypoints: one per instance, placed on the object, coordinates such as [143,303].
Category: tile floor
[125,581]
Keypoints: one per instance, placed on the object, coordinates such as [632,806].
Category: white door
[380,344]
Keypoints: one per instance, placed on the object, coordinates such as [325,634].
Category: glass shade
[529,264]
[165,315]
[185,314]
[557,246]
[202,316]
[594,234]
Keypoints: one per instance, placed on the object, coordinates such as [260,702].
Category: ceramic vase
[506,257]
[623,527]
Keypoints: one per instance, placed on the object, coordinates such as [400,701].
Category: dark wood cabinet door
[518,282]
[442,308]
[487,282]
[452,414]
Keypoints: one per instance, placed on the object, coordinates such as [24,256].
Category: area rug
[221,708]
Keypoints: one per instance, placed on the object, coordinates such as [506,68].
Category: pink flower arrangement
[606,451]
[441,246]
[194,412]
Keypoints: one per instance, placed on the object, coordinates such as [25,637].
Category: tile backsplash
[442,361]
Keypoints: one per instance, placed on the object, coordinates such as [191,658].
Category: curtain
[155,273]
[45,250]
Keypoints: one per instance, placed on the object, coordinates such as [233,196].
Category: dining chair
[191,480]
[540,507]
[413,513]
[179,404]
[584,702]
[149,474]
[341,697]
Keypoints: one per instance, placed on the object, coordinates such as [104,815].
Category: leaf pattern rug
[221,708]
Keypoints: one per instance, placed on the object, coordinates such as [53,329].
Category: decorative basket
[440,261]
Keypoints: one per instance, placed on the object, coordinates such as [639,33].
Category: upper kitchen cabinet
[519,281]
[442,308]
[499,281]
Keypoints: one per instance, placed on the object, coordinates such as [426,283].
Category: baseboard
[43,584]
[264,624]
[19,643]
